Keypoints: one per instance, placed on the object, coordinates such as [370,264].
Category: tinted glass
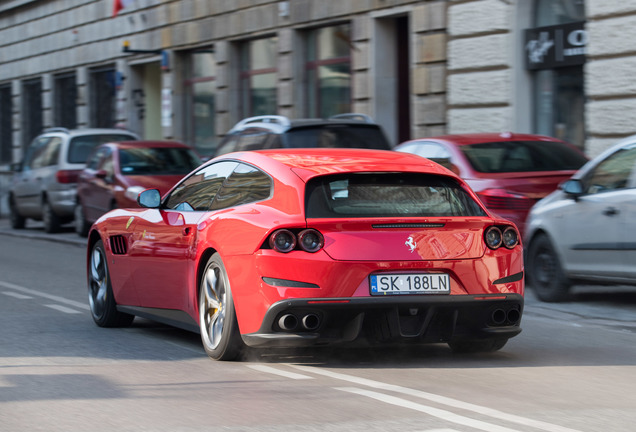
[246,184]
[340,136]
[612,173]
[157,161]
[197,191]
[81,147]
[387,195]
[522,156]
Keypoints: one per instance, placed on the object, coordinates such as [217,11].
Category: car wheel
[81,224]
[217,316]
[545,273]
[100,292]
[477,346]
[50,219]
[17,220]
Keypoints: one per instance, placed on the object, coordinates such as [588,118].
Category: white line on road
[62,309]
[271,370]
[17,295]
[28,291]
[549,427]
[435,412]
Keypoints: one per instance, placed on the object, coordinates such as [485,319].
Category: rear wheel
[545,273]
[81,224]
[17,220]
[476,346]
[217,317]
[51,220]
[100,292]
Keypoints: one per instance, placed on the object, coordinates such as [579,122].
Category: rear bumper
[385,320]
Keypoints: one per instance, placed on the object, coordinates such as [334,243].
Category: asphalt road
[573,368]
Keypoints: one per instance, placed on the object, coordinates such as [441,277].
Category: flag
[120,4]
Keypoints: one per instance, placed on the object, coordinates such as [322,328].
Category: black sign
[555,46]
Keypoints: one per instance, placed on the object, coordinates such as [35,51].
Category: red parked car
[312,247]
[117,172]
[509,172]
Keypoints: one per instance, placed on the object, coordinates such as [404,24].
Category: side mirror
[573,188]
[102,174]
[150,198]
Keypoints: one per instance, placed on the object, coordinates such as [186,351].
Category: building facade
[189,69]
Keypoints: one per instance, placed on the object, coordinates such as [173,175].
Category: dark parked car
[117,172]
[586,230]
[509,172]
[44,183]
[341,131]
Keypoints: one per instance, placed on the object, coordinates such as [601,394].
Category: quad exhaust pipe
[289,322]
[501,317]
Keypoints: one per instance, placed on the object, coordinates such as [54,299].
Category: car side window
[34,154]
[252,139]
[245,185]
[196,192]
[96,158]
[612,173]
[433,151]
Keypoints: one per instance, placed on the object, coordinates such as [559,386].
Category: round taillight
[282,240]
[510,238]
[311,240]
[493,237]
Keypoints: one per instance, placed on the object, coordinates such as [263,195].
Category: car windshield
[387,195]
[338,136]
[523,156]
[157,161]
[82,146]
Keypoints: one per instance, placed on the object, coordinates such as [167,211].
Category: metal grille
[118,245]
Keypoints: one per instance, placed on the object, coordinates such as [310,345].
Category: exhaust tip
[498,316]
[288,322]
[311,321]
[513,316]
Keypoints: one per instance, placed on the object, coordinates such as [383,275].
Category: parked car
[586,230]
[343,131]
[44,183]
[117,172]
[312,247]
[509,172]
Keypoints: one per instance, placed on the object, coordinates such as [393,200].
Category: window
[65,105]
[387,195]
[328,70]
[201,101]
[81,147]
[157,161]
[103,86]
[245,185]
[43,152]
[612,173]
[6,128]
[198,190]
[258,76]
[31,110]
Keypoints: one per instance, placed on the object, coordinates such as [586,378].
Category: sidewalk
[35,230]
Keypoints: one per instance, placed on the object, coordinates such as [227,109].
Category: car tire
[217,316]
[477,346]
[17,220]
[51,220]
[81,224]
[545,274]
[100,292]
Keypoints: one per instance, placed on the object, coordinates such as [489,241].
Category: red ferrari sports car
[312,247]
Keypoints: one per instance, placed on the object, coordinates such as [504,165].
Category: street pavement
[35,230]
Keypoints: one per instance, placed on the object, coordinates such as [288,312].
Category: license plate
[393,284]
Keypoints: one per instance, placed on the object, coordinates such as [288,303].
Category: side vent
[118,245]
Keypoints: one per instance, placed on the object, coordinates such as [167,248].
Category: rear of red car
[386,257]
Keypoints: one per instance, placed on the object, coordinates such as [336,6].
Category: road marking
[58,299]
[549,427]
[271,370]
[62,309]
[17,295]
[434,412]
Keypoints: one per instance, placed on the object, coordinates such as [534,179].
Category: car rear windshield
[157,161]
[82,146]
[338,136]
[387,195]
[523,156]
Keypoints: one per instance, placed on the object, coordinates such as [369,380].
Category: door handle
[611,211]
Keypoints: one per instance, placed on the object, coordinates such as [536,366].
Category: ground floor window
[103,86]
[31,110]
[258,76]
[65,101]
[200,104]
[328,69]
[6,129]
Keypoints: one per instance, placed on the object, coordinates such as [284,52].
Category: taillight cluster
[496,236]
[284,240]
[67,176]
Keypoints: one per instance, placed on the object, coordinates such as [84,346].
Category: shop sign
[555,46]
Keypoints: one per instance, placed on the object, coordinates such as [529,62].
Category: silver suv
[44,183]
